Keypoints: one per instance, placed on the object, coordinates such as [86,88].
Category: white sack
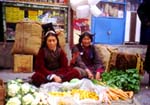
[95,10]
[75,3]
[93,2]
[83,11]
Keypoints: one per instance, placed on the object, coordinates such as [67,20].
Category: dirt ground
[143,96]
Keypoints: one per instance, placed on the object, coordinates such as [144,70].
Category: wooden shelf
[43,5]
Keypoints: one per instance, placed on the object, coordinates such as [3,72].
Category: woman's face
[51,42]
[86,41]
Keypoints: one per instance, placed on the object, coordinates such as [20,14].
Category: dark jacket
[144,15]
[87,58]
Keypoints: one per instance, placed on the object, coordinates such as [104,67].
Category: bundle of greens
[128,80]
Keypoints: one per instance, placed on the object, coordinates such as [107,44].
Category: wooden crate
[2,92]
[23,63]
[2,102]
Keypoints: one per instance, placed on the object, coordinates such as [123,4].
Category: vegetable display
[128,80]
[75,92]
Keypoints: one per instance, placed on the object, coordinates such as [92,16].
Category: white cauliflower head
[27,99]
[25,88]
[13,89]
[14,101]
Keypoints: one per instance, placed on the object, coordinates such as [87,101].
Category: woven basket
[2,92]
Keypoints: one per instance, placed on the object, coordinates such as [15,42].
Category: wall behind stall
[6,57]
[79,26]
[1,24]
[133,24]
[132,29]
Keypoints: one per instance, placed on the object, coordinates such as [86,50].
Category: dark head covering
[86,33]
[47,27]
[50,33]
[146,1]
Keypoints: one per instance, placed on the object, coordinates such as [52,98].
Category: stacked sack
[28,39]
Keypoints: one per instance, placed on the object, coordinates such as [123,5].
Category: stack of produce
[75,92]
[114,93]
[83,94]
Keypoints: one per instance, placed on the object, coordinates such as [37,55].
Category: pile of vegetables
[114,93]
[75,92]
[83,94]
[128,80]
[20,93]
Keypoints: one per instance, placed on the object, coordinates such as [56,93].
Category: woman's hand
[90,75]
[57,79]
[98,76]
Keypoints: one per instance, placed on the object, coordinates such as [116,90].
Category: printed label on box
[23,63]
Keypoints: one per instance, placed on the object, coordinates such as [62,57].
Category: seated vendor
[51,63]
[85,57]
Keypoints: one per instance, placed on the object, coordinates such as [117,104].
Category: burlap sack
[62,38]
[28,38]
[112,58]
[124,61]
[104,52]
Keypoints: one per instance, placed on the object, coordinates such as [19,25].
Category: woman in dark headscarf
[144,15]
[85,57]
[51,63]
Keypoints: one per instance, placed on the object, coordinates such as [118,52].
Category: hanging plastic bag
[75,3]
[93,2]
[95,10]
[83,11]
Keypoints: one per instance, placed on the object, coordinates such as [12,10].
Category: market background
[141,98]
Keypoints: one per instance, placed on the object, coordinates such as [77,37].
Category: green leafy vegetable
[126,80]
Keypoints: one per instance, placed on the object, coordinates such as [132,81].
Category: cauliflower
[35,101]
[19,80]
[25,88]
[41,98]
[20,93]
[14,101]
[13,89]
[27,99]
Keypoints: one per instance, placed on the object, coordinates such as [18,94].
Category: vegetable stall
[113,87]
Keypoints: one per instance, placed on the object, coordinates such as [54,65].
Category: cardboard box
[23,63]
[2,92]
